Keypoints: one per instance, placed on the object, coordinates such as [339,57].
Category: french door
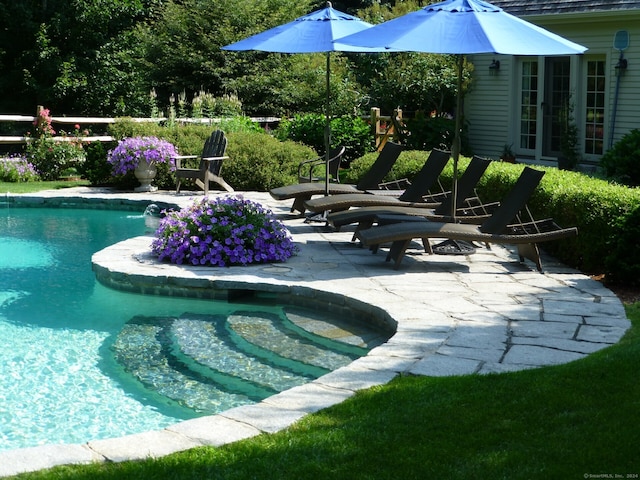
[545,91]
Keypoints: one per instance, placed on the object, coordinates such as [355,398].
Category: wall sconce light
[621,66]
[494,67]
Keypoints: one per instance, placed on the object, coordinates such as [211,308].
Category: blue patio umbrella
[462,27]
[316,32]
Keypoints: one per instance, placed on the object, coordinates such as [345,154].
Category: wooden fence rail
[18,139]
[383,127]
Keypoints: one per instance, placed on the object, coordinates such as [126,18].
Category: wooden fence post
[375,125]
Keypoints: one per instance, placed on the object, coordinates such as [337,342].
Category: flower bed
[17,169]
[222,232]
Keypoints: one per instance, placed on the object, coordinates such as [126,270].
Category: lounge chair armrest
[210,159]
[306,168]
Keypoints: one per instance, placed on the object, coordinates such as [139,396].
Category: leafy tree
[51,47]
[185,53]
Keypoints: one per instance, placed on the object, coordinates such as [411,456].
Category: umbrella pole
[456,247]
[457,141]
[327,127]
[322,217]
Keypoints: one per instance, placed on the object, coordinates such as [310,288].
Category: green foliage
[259,162]
[307,129]
[17,169]
[51,157]
[354,134]
[95,168]
[69,54]
[351,132]
[623,259]
[622,162]
[427,132]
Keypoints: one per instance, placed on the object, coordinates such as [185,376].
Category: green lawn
[557,422]
[31,187]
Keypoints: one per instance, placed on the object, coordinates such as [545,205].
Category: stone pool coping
[478,314]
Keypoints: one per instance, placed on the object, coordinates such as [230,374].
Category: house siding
[492,103]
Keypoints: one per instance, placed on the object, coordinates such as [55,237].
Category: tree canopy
[106,57]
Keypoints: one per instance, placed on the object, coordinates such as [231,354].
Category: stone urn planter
[145,173]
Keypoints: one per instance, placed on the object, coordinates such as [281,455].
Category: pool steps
[209,363]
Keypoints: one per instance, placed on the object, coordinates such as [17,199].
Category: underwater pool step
[212,361]
[142,353]
[205,340]
[282,339]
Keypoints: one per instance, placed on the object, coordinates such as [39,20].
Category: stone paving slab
[478,314]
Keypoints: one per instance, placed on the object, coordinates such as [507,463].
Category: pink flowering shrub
[222,232]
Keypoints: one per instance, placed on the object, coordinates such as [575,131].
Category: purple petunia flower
[222,231]
[131,151]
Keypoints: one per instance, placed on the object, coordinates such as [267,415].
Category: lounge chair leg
[298,205]
[530,251]
[397,251]
[178,187]
[363,225]
[427,246]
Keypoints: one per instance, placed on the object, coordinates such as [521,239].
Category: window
[594,118]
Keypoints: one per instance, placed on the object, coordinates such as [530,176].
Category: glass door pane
[557,98]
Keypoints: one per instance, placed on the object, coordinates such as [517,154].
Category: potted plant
[507,153]
[140,156]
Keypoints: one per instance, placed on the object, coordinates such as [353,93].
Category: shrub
[622,162]
[17,169]
[222,232]
[51,157]
[259,162]
[95,168]
[351,132]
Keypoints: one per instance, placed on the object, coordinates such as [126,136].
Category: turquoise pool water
[80,361]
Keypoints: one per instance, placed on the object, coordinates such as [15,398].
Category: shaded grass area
[567,421]
[32,187]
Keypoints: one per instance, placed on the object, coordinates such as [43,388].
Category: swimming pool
[76,359]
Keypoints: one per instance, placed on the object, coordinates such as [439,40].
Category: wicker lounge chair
[498,228]
[302,192]
[416,195]
[210,166]
[470,210]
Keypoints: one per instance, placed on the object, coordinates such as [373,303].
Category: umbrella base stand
[454,247]
[318,218]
